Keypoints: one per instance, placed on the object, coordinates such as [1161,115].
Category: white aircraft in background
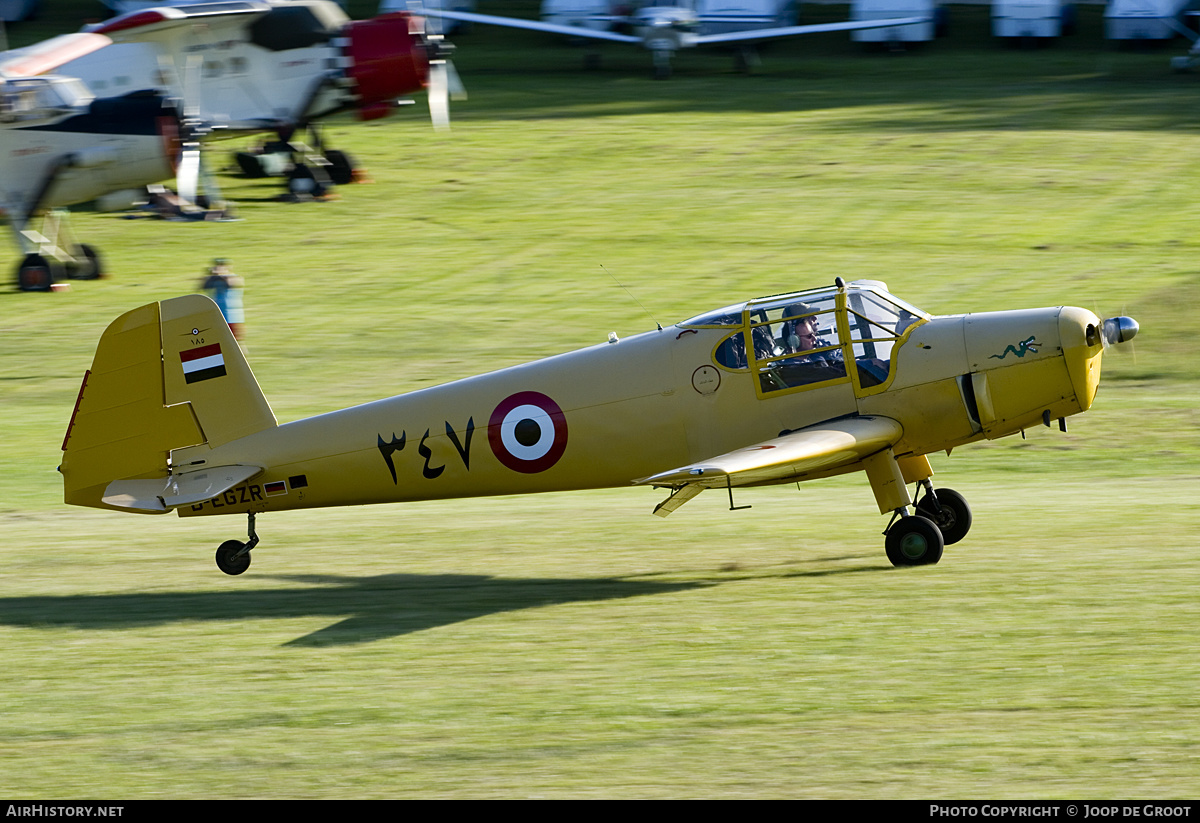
[59,145]
[271,65]
[665,28]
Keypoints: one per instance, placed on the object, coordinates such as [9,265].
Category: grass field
[571,645]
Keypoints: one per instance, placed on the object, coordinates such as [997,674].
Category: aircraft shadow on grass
[373,608]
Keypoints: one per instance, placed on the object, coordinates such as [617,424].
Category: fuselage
[608,415]
[278,64]
[58,152]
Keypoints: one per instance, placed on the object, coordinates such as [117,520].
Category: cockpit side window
[797,343]
[731,352]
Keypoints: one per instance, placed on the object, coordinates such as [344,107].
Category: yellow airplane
[775,390]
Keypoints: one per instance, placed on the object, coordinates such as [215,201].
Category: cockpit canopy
[24,98]
[807,337]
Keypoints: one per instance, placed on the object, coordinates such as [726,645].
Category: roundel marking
[706,380]
[528,432]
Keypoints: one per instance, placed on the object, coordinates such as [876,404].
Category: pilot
[800,335]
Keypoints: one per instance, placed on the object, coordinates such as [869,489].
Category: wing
[534,25]
[815,28]
[48,55]
[829,445]
[180,26]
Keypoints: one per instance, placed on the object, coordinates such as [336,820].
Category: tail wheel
[914,541]
[228,559]
[951,514]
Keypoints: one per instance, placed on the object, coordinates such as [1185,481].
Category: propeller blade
[187,177]
[439,94]
[457,90]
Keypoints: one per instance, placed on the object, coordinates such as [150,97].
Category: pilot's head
[801,333]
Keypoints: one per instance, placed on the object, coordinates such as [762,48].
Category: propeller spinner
[1118,330]
[396,54]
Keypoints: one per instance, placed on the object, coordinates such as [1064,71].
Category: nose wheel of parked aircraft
[233,556]
[914,541]
[949,511]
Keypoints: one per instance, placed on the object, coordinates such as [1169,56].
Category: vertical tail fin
[166,376]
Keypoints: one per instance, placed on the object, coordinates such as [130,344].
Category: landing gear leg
[662,64]
[746,60]
[233,556]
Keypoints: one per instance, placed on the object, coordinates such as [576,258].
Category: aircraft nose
[1082,336]
[385,59]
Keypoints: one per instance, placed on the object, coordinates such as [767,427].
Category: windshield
[728,316]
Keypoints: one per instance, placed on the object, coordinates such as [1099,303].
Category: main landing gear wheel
[87,264]
[228,559]
[38,273]
[340,168]
[914,541]
[951,514]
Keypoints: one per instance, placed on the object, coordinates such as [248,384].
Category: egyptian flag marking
[276,488]
[203,363]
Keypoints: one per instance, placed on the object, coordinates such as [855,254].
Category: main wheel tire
[340,168]
[249,164]
[228,562]
[914,541]
[38,273]
[302,183]
[951,514]
[88,267]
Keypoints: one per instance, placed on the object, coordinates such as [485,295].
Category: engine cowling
[385,57]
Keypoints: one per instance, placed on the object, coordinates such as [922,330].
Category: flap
[823,446]
[162,493]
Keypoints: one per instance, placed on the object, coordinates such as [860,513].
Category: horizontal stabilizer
[162,493]
[828,445]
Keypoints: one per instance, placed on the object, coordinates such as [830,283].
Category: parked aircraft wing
[535,25]
[178,27]
[45,57]
[827,445]
[815,28]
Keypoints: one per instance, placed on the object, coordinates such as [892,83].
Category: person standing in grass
[225,288]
